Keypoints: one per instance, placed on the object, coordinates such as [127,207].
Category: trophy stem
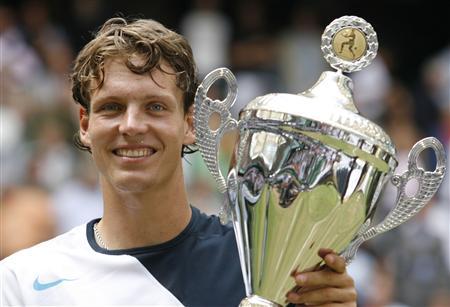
[257,301]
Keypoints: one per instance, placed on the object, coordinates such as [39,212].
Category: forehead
[118,78]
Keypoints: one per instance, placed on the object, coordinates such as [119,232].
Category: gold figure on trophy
[349,44]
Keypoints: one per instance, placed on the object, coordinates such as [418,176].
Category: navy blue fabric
[200,266]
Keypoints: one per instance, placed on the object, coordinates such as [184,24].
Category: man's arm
[330,286]
[10,293]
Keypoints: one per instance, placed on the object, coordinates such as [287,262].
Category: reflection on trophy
[308,169]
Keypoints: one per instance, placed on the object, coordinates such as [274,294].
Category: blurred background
[48,187]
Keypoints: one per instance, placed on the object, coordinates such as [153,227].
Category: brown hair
[145,38]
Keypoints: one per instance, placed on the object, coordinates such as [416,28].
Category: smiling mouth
[134,153]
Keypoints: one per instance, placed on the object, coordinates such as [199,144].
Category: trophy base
[257,301]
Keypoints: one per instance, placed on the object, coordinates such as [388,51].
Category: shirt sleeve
[10,292]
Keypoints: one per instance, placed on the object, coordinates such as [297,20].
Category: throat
[131,228]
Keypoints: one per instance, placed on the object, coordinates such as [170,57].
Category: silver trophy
[308,169]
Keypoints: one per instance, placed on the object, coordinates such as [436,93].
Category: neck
[143,219]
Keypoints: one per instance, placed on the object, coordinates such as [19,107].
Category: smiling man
[135,82]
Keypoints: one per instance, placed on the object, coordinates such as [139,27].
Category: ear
[189,135]
[84,125]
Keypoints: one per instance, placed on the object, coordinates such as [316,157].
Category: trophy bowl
[307,169]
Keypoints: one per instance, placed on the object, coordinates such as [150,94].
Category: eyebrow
[119,98]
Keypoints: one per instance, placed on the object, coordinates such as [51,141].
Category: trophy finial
[349,43]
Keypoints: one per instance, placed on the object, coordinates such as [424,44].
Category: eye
[157,107]
[111,107]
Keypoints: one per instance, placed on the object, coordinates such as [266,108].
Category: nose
[133,122]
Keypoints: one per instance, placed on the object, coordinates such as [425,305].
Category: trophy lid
[349,43]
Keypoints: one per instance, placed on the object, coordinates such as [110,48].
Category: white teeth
[134,153]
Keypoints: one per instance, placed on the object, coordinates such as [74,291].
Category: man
[135,83]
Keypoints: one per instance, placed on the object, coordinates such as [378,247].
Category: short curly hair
[145,38]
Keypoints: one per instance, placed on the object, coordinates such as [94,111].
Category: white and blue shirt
[200,267]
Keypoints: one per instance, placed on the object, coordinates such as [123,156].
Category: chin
[134,185]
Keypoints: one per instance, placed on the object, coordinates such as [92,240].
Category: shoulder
[20,271]
[210,225]
[215,244]
[212,239]
[46,252]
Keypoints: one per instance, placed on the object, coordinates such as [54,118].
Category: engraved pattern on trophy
[208,140]
[303,107]
[407,206]
[363,126]
[348,141]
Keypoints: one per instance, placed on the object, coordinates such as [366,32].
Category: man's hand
[330,286]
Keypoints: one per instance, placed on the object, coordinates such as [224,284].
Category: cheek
[174,136]
[100,136]
[173,129]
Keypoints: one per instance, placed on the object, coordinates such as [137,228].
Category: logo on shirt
[38,286]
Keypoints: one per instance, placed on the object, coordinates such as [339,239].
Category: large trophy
[307,169]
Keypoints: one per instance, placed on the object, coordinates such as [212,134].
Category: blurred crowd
[48,187]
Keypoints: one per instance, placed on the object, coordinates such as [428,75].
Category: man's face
[136,128]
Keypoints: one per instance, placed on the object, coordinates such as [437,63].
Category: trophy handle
[208,140]
[406,207]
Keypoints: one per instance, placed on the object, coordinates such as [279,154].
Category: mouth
[134,153]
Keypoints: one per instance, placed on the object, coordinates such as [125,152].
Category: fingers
[326,295]
[327,286]
[324,278]
[333,261]
[330,305]
[325,251]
